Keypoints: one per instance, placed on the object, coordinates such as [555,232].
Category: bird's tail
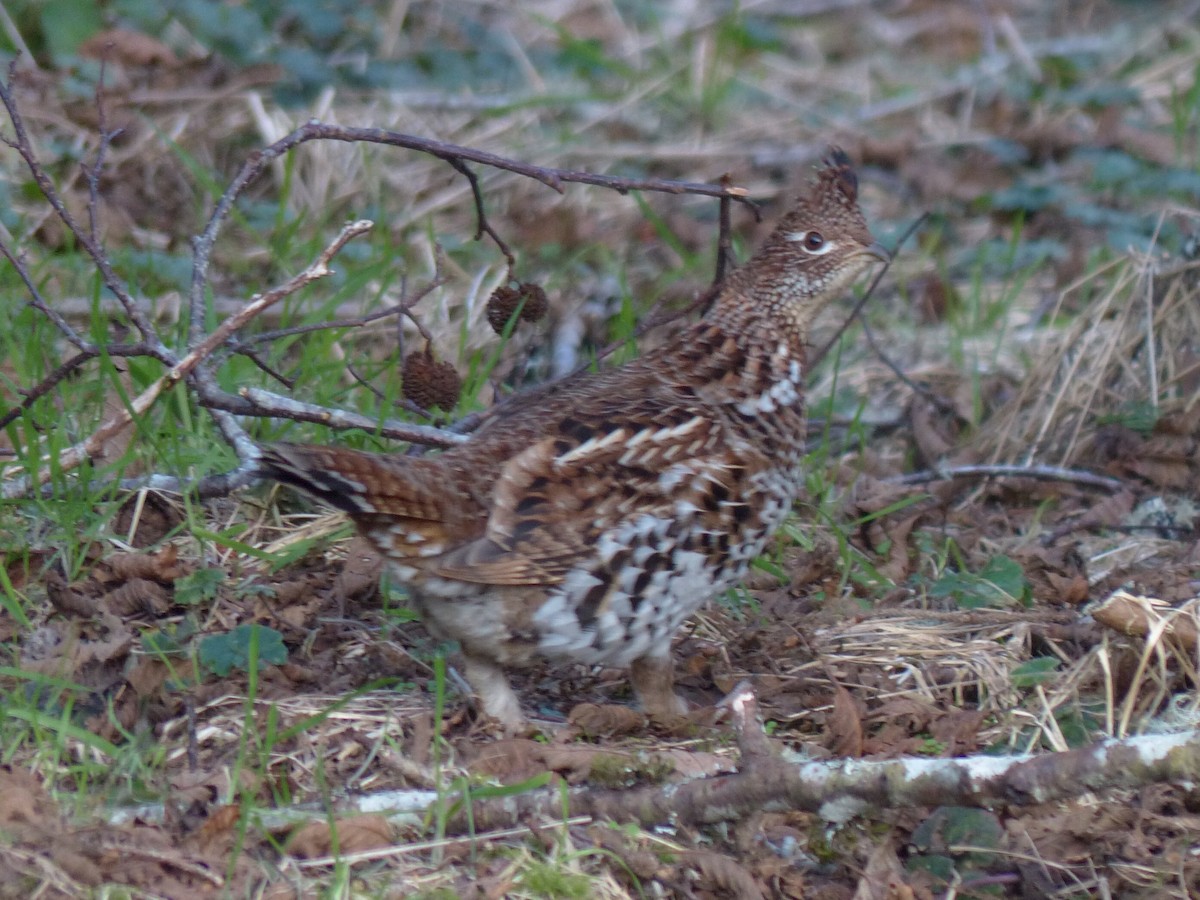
[326,473]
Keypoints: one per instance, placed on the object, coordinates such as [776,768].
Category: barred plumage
[589,520]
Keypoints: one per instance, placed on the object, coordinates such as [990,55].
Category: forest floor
[998,552]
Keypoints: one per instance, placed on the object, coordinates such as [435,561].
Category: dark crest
[839,172]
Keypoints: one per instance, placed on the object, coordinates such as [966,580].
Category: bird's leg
[653,678]
[496,695]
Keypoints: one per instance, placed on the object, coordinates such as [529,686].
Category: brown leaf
[353,834]
[508,760]
[163,566]
[594,719]
[146,519]
[218,829]
[359,577]
[1056,574]
[883,878]
[899,562]
[689,764]
[136,596]
[726,877]
[844,726]
[934,436]
[25,807]
[958,730]
[641,862]
[69,600]
[576,762]
[148,675]
[130,48]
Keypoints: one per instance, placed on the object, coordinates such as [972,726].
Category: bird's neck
[737,356]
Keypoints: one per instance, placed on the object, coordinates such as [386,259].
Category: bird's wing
[555,501]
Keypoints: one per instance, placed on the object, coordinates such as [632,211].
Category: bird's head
[813,254]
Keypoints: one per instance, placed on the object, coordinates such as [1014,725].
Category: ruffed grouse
[589,519]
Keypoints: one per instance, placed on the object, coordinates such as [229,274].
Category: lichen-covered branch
[841,789]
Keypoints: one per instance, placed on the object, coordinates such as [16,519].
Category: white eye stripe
[800,236]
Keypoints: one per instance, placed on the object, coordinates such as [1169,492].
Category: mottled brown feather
[588,518]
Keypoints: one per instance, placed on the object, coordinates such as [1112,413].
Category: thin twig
[454,154]
[266,403]
[264,366]
[406,303]
[724,236]
[1041,473]
[43,387]
[39,303]
[210,486]
[482,225]
[92,172]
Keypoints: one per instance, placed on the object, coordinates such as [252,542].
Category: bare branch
[845,788]
[39,303]
[92,172]
[453,154]
[219,485]
[91,445]
[268,404]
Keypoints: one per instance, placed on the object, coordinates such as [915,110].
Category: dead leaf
[844,731]
[359,577]
[607,720]
[68,600]
[933,435]
[353,834]
[130,48]
[898,565]
[726,877]
[688,764]
[883,878]
[163,566]
[958,729]
[508,760]
[136,596]
[217,832]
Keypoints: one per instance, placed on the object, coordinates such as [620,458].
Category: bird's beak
[876,251]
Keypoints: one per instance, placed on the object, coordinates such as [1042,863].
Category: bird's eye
[814,241]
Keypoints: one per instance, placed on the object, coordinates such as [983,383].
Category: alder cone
[504,302]
[536,303]
[429,383]
[500,307]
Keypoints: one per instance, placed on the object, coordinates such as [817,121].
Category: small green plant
[550,878]
[242,648]
[199,586]
[1035,671]
[1001,582]
[956,842]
